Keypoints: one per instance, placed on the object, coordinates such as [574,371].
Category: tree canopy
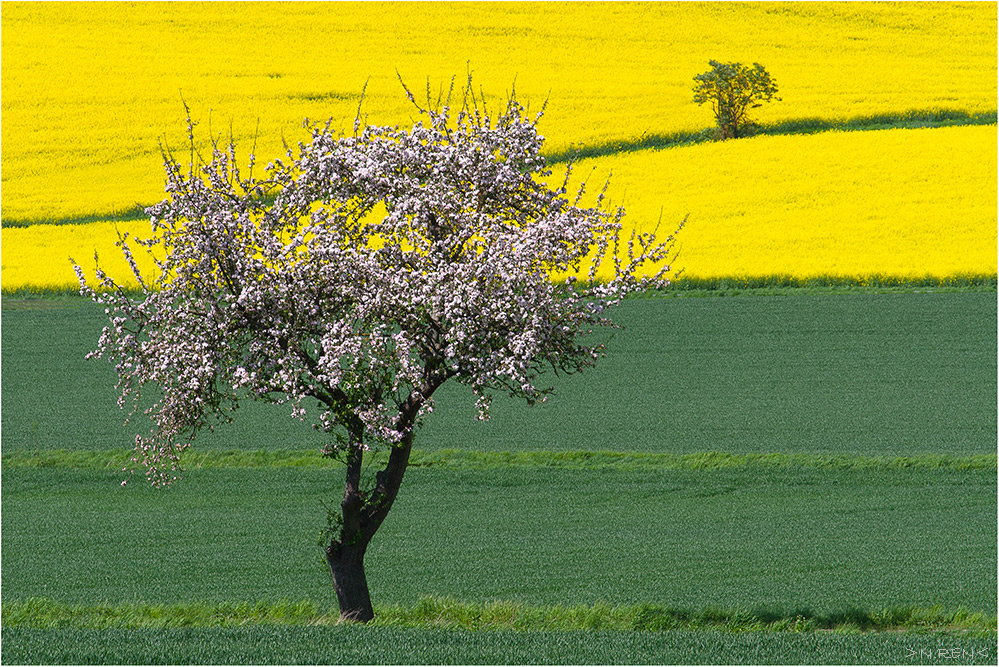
[733,89]
[359,274]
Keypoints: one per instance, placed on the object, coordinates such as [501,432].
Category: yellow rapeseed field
[906,203]
[38,257]
[90,88]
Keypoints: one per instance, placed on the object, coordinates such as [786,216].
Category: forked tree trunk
[362,515]
[363,512]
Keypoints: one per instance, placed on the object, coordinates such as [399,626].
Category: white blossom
[360,274]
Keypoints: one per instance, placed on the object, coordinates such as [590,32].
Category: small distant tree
[359,276]
[733,89]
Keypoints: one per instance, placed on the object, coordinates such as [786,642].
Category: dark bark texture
[349,582]
[362,513]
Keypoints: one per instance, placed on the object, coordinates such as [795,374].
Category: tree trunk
[362,515]
[363,512]
[347,568]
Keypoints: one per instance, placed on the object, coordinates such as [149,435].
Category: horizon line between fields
[911,119]
[457,459]
[684,286]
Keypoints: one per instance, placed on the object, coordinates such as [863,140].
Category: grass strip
[783,284]
[499,615]
[29,297]
[911,119]
[461,459]
[47,613]
[447,613]
[136,212]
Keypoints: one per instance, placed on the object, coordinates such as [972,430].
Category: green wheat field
[796,475]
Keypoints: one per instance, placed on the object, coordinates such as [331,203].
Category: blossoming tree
[359,275]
